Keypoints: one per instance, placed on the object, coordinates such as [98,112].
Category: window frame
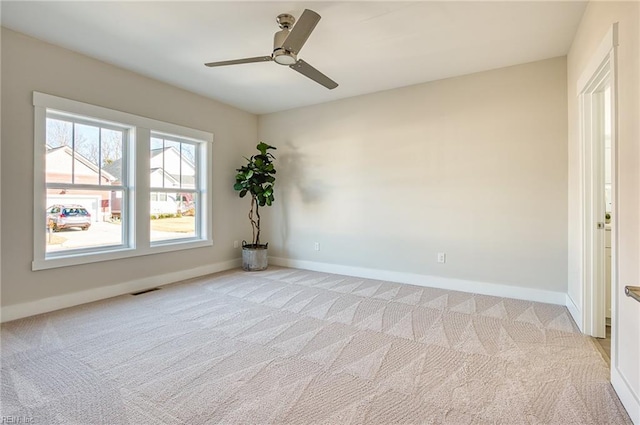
[124,187]
[136,196]
[196,190]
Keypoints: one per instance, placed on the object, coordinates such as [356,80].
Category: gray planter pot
[254,257]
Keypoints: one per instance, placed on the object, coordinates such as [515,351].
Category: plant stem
[255,224]
[258,225]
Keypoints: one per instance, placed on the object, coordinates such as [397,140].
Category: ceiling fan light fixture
[282,57]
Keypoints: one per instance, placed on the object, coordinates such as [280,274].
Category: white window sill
[115,254]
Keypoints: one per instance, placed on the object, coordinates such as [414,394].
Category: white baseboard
[575,312]
[476,287]
[629,399]
[18,311]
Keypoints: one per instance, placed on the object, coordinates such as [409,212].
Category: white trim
[629,399]
[84,257]
[206,192]
[39,180]
[609,41]
[575,312]
[600,70]
[140,205]
[18,311]
[83,109]
[471,286]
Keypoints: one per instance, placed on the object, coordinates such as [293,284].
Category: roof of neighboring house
[165,174]
[157,151]
[106,174]
[116,166]
[175,178]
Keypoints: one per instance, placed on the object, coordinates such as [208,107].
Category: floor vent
[145,291]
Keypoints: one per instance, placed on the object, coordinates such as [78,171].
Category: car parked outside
[66,216]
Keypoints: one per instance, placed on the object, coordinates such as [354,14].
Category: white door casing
[592,130]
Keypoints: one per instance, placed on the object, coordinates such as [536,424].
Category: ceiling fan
[287,44]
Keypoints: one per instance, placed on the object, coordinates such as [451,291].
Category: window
[84,159]
[175,189]
[111,185]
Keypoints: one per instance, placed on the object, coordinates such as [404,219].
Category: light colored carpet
[298,347]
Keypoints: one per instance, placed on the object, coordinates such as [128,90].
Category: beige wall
[28,65]
[474,166]
[596,22]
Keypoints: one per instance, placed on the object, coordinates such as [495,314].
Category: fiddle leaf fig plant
[257,178]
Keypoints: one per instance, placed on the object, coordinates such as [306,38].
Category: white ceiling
[365,46]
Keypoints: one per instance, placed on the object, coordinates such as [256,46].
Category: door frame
[600,71]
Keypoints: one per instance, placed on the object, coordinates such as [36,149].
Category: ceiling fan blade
[301,31]
[308,71]
[239,61]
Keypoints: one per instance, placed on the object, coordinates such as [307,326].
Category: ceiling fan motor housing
[280,55]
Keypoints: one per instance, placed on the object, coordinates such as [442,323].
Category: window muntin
[87,133]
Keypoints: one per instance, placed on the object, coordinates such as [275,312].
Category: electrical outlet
[442,257]
[236,244]
[317,246]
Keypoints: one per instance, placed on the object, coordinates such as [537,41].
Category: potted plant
[256,178]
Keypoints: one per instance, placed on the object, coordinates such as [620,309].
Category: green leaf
[256,176]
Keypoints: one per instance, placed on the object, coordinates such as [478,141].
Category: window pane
[173,218]
[59,133]
[77,219]
[58,151]
[87,154]
[156,144]
[156,162]
[188,177]
[112,146]
[172,163]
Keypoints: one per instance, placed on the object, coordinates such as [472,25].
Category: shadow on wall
[295,175]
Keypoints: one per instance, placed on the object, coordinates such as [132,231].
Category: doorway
[598,74]
[598,161]
[604,144]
